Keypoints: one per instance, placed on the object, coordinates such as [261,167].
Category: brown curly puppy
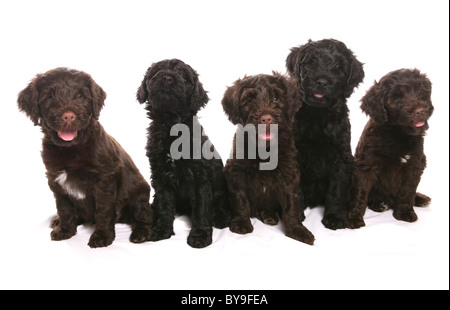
[389,158]
[257,190]
[91,176]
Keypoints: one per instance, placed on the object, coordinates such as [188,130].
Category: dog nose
[168,79]
[322,82]
[266,119]
[68,117]
[419,111]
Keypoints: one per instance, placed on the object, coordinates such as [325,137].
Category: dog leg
[164,214]
[292,220]
[65,224]
[359,194]
[335,216]
[240,205]
[220,199]
[403,208]
[240,222]
[105,216]
[200,235]
[405,199]
[142,218]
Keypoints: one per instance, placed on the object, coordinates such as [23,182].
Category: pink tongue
[266,136]
[419,124]
[318,95]
[67,135]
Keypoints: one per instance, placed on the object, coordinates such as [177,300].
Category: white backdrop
[116,41]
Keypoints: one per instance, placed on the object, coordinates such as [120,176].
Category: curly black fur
[173,95]
[327,73]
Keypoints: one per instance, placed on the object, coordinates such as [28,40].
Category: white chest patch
[405,159]
[72,191]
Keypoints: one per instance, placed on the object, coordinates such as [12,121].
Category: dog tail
[422,200]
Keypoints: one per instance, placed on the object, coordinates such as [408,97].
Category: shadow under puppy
[389,158]
[92,178]
[327,73]
[192,184]
[263,101]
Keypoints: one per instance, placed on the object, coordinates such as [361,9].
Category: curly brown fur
[92,178]
[265,99]
[327,72]
[389,158]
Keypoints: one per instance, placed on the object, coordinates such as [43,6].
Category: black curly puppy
[327,73]
[187,183]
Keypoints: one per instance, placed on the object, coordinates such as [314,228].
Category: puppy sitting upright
[259,185]
[327,72]
[389,158]
[92,178]
[185,180]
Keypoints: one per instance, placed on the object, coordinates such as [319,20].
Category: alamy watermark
[260,142]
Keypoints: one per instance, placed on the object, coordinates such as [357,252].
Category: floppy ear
[27,101]
[294,97]
[373,104]
[355,76]
[295,58]
[292,60]
[199,97]
[98,97]
[142,94]
[230,103]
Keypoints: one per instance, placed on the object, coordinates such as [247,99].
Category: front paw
[161,233]
[101,239]
[331,221]
[141,234]
[200,238]
[405,215]
[58,233]
[241,226]
[354,223]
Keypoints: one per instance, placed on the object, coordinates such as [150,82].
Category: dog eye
[275,98]
[337,67]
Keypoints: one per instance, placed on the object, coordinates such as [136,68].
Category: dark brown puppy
[389,158]
[254,190]
[92,178]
